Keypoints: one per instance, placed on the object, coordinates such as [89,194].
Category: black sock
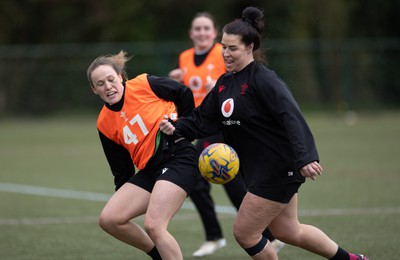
[341,254]
[154,254]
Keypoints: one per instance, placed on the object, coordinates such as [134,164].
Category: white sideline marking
[51,192]
[79,220]
[47,221]
[94,196]
[81,195]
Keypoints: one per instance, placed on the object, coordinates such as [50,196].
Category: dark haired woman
[199,68]
[260,119]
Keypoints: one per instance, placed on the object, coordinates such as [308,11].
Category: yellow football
[218,163]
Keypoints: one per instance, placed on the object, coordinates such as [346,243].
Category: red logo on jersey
[243,87]
[227,107]
[195,82]
[222,87]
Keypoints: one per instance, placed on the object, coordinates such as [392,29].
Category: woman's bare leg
[287,228]
[128,202]
[254,215]
[165,201]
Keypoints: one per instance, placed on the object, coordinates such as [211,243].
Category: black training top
[261,120]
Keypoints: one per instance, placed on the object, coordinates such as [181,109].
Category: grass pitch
[54,181]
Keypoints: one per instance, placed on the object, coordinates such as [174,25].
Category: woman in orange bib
[129,133]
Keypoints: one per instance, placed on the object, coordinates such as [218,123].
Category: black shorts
[282,193]
[181,168]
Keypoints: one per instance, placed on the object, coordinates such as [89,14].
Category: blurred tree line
[92,21]
[332,35]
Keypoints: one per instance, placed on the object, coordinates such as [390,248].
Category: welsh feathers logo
[227,107]
[243,87]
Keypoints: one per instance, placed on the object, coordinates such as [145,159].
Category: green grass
[362,171]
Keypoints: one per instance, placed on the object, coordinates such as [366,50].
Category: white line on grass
[51,192]
[81,195]
[94,196]
[47,221]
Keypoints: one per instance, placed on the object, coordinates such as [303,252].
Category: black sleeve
[204,120]
[119,159]
[168,89]
[285,109]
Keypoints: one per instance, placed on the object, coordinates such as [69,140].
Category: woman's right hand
[166,127]
[311,170]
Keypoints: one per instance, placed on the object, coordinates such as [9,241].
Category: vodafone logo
[227,107]
[195,82]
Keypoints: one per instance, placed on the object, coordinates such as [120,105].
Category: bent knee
[105,222]
[151,228]
[154,228]
[109,222]
[241,236]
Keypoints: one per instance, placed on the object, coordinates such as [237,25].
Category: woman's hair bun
[255,17]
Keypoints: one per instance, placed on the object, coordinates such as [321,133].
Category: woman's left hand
[311,170]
